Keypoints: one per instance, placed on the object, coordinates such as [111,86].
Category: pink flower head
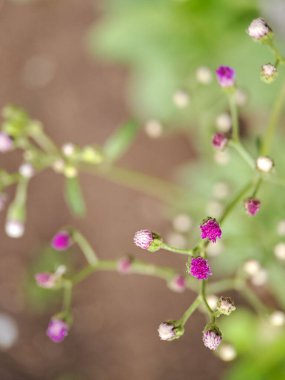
[212,338]
[6,143]
[61,241]
[143,239]
[219,140]
[124,265]
[57,330]
[226,76]
[46,280]
[252,206]
[199,268]
[178,284]
[210,229]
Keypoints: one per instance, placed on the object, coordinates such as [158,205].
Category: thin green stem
[235,200]
[188,252]
[234,115]
[243,153]
[67,296]
[86,248]
[275,181]
[273,122]
[253,300]
[204,298]
[190,311]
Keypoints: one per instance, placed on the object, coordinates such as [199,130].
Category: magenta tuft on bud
[178,283]
[199,268]
[212,338]
[124,265]
[226,76]
[210,229]
[57,330]
[61,241]
[6,143]
[252,206]
[46,280]
[219,140]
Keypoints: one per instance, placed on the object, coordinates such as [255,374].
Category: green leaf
[73,196]
[120,141]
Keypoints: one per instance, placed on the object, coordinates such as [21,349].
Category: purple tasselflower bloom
[57,330]
[199,268]
[61,241]
[226,76]
[210,229]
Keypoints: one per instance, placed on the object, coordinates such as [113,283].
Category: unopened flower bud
[219,140]
[259,30]
[70,171]
[68,149]
[226,76]
[210,229]
[14,228]
[26,170]
[57,330]
[225,306]
[46,280]
[181,99]
[268,73]
[277,318]
[204,75]
[91,155]
[251,267]
[199,268]
[227,352]
[124,265]
[177,284]
[252,206]
[264,164]
[148,240]
[170,331]
[212,337]
[6,143]
[61,241]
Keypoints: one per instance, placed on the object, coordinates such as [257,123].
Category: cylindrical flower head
[252,206]
[226,76]
[14,228]
[148,240]
[219,140]
[264,164]
[124,265]
[46,280]
[57,330]
[6,143]
[212,337]
[169,331]
[177,284]
[259,30]
[268,73]
[225,306]
[61,241]
[210,229]
[199,268]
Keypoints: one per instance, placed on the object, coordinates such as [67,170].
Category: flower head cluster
[61,241]
[259,29]
[199,268]
[225,76]
[57,330]
[212,337]
[210,229]
[49,280]
[219,140]
[252,206]
[148,240]
[169,331]
[268,73]
[264,164]
[225,306]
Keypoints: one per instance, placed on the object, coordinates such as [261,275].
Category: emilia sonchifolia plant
[40,153]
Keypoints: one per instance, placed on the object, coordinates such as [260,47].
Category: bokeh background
[83,68]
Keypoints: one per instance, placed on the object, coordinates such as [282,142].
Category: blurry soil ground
[45,67]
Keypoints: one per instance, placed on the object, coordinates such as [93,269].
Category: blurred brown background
[45,67]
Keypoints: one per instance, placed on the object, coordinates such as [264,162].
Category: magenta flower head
[124,265]
[219,140]
[61,241]
[252,206]
[170,330]
[148,240]
[45,280]
[199,268]
[6,143]
[226,76]
[178,283]
[57,330]
[210,229]
[212,337]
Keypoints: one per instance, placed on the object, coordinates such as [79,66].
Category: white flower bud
[264,164]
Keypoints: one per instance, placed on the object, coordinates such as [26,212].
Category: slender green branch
[67,296]
[188,252]
[234,115]
[190,311]
[86,248]
[203,296]
[273,122]
[243,153]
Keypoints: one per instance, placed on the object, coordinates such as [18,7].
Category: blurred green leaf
[120,141]
[74,197]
